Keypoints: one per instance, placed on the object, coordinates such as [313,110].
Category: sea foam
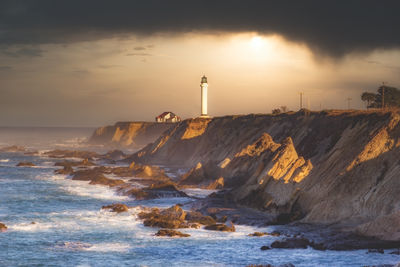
[84,189]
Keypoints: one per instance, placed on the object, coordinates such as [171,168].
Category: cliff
[335,167]
[129,134]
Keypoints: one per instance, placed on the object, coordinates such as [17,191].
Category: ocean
[54,221]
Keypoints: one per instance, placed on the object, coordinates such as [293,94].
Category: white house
[167,117]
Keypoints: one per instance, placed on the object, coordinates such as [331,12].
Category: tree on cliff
[391,97]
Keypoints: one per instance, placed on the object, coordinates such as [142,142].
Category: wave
[4,160]
[83,188]
[30,227]
[99,247]
[197,192]
[80,221]
[109,247]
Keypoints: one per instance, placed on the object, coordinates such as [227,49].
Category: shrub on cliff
[390,95]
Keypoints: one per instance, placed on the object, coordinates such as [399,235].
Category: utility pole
[348,102]
[301,100]
[383,95]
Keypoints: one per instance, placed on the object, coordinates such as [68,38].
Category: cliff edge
[333,167]
[129,134]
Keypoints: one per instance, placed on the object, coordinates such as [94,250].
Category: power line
[383,94]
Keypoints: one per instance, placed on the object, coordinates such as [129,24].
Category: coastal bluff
[129,134]
[326,168]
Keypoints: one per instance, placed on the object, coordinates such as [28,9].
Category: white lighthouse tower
[204,86]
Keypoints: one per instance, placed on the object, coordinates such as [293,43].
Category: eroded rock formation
[129,134]
[332,167]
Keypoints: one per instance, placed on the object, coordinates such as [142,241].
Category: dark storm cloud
[332,27]
[23,52]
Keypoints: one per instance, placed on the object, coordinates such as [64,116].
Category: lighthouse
[204,86]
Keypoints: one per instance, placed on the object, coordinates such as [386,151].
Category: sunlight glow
[257,42]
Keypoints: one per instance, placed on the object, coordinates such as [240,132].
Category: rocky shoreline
[217,212]
[263,177]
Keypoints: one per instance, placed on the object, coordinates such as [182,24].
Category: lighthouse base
[203,116]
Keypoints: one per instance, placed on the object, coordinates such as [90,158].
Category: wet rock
[3,227]
[194,225]
[197,217]
[165,189]
[171,233]
[171,218]
[174,213]
[376,250]
[117,207]
[114,155]
[265,233]
[95,177]
[137,193]
[164,223]
[265,248]
[221,227]
[25,164]
[317,246]
[257,234]
[396,252]
[106,181]
[154,191]
[67,170]
[147,171]
[58,153]
[67,163]
[291,243]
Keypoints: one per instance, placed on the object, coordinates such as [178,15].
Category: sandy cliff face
[129,134]
[327,167]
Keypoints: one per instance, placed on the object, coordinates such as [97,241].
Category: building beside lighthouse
[204,88]
[168,116]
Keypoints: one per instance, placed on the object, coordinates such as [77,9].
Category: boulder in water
[174,212]
[221,227]
[171,218]
[3,227]
[118,207]
[67,170]
[25,164]
[171,233]
[197,217]
[58,153]
[96,177]
[264,233]
[291,243]
[160,190]
[376,250]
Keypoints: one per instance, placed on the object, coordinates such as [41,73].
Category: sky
[92,63]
